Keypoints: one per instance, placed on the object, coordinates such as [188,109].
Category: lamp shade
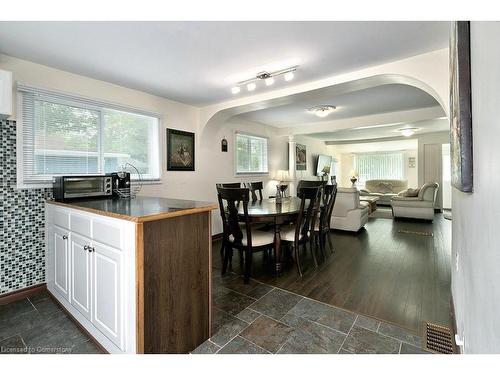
[282,175]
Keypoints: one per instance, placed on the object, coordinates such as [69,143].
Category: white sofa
[419,207]
[348,212]
[383,189]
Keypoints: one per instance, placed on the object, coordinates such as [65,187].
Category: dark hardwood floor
[402,278]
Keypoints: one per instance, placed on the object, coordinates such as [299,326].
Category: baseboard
[216,237]
[16,295]
[101,348]
[454,322]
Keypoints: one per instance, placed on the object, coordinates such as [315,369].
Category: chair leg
[297,258]
[313,250]
[330,244]
[321,244]
[227,252]
[248,265]
[240,252]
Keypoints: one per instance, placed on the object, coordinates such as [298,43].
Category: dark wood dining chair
[233,185]
[301,232]
[255,190]
[309,183]
[238,236]
[322,227]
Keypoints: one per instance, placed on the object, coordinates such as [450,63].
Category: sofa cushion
[384,187]
[410,192]
[387,186]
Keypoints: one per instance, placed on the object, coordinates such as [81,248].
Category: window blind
[380,165]
[66,135]
[251,154]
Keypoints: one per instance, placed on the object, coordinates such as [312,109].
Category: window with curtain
[379,165]
[63,135]
[251,154]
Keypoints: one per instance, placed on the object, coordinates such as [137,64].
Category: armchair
[348,212]
[419,207]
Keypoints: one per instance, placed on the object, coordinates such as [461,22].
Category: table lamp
[282,177]
[354,177]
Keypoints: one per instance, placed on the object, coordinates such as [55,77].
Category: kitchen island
[134,273]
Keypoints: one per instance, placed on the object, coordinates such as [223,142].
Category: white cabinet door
[60,242]
[80,274]
[107,291]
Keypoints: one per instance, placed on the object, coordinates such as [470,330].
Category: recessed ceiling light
[322,110]
[407,132]
[269,81]
[235,89]
[251,86]
[288,76]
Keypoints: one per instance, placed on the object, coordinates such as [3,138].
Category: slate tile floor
[258,319]
[37,325]
[250,318]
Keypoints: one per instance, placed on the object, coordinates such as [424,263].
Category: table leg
[277,247]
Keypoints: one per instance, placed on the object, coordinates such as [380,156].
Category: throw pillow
[411,192]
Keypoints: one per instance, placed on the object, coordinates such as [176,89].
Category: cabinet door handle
[64,237]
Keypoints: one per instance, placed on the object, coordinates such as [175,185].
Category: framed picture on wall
[300,157]
[460,107]
[180,150]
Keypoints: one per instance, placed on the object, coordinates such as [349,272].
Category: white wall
[476,216]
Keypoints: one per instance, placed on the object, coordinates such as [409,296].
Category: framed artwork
[180,150]
[300,157]
[460,108]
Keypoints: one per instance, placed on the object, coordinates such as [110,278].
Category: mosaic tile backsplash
[22,226]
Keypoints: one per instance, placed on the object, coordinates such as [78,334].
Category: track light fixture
[267,77]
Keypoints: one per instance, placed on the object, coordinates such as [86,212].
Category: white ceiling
[379,132]
[381,99]
[403,144]
[198,62]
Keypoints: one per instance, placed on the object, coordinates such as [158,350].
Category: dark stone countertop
[139,209]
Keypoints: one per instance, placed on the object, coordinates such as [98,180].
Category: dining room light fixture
[268,77]
[322,110]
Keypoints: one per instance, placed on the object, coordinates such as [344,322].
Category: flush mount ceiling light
[407,132]
[322,110]
[267,77]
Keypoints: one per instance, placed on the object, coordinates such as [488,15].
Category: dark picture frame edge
[461,146]
[171,133]
[300,166]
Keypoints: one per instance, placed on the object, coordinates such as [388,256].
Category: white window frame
[235,156]
[64,98]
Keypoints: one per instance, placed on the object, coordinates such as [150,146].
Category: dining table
[274,213]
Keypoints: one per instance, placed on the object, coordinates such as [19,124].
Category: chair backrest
[307,216]
[347,199]
[229,201]
[329,196]
[233,185]
[428,191]
[309,183]
[255,188]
